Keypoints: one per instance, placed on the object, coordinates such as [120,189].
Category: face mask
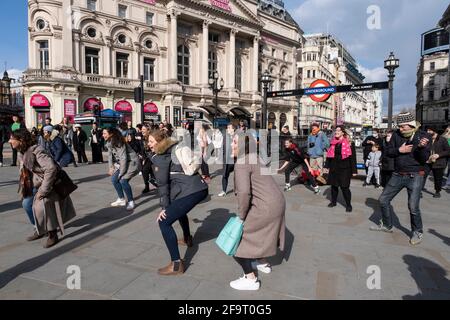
[375,135]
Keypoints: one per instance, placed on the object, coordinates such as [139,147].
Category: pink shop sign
[222,4]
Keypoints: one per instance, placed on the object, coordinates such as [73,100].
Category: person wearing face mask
[387,163]
[369,142]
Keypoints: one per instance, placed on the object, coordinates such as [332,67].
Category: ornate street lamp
[390,64]
[265,79]
[216,86]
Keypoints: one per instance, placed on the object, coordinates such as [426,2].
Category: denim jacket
[321,143]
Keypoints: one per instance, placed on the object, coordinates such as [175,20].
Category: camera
[312,144]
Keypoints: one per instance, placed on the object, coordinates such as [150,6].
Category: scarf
[346,151]
[410,133]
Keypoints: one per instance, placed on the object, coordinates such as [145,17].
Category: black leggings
[246,264]
[1,151]
[291,166]
[205,168]
[147,172]
[345,191]
[82,155]
[228,168]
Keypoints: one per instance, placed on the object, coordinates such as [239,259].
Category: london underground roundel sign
[316,93]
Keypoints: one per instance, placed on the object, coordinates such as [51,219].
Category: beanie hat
[406,119]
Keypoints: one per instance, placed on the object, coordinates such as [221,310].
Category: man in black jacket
[410,149]
[440,151]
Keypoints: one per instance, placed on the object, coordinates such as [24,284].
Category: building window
[184,30]
[148,44]
[314,74]
[92,5]
[309,74]
[43,54]
[177,116]
[238,73]
[431,95]
[149,69]
[213,37]
[282,85]
[92,32]
[212,63]
[122,11]
[91,58]
[122,38]
[183,64]
[431,81]
[122,65]
[273,52]
[284,56]
[432,66]
[40,24]
[149,18]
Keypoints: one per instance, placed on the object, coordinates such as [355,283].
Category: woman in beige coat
[261,205]
[50,212]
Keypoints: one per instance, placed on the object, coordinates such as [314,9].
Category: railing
[192,89]
[243,95]
[47,74]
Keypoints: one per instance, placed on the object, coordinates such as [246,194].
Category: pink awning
[150,107]
[39,101]
[123,106]
[91,102]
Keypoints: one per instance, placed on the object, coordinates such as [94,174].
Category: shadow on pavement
[10,206]
[34,263]
[9,183]
[421,270]
[440,236]
[210,229]
[288,243]
[340,199]
[374,204]
[92,178]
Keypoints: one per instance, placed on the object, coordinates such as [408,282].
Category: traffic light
[137,95]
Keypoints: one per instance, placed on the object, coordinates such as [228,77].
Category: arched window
[183,64]
[238,73]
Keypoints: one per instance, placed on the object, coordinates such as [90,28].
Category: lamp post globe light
[265,79]
[390,64]
[216,86]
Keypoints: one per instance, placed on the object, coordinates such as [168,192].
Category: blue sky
[402,22]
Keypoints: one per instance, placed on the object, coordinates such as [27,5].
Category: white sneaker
[317,190]
[130,205]
[245,283]
[1,164]
[263,267]
[140,173]
[119,203]
[222,194]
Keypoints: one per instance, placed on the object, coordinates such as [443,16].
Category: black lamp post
[265,79]
[216,86]
[390,64]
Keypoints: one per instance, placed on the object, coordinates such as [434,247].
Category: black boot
[146,189]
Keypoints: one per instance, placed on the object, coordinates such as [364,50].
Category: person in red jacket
[294,159]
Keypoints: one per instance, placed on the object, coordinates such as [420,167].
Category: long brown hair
[25,138]
[117,140]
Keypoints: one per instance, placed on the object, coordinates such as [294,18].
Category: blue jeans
[178,210]
[122,186]
[27,205]
[413,183]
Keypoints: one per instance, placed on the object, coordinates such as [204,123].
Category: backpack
[190,163]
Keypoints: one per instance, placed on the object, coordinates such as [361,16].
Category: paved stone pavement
[327,257]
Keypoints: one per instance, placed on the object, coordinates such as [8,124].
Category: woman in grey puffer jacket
[123,163]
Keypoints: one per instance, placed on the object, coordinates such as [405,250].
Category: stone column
[108,63]
[67,35]
[173,46]
[232,61]
[76,55]
[254,86]
[205,49]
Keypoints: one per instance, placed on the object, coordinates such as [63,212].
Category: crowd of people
[402,159]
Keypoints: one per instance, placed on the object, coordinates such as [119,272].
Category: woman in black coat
[79,141]
[341,164]
[97,143]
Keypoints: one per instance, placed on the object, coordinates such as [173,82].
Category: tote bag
[230,236]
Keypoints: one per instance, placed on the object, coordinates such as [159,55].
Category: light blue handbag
[230,236]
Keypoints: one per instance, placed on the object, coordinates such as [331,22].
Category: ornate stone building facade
[86,52]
